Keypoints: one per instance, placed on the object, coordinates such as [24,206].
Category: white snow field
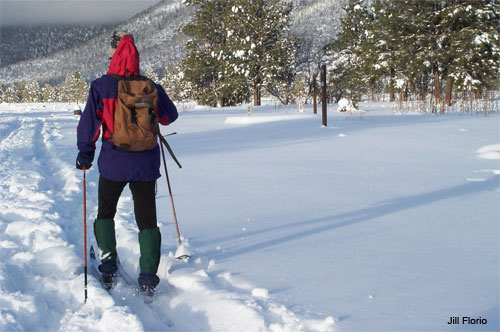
[378,222]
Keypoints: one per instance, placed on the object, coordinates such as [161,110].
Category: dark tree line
[417,47]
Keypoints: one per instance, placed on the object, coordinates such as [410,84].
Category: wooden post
[391,87]
[256,95]
[449,89]
[323,94]
[315,95]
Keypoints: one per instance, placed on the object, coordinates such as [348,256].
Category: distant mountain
[19,43]
[315,23]
[159,39]
[157,31]
[320,16]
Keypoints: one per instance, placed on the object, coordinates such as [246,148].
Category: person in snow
[118,167]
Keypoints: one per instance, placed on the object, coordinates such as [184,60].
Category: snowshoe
[105,273]
[108,274]
[108,280]
[147,293]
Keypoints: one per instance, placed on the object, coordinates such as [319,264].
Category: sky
[33,12]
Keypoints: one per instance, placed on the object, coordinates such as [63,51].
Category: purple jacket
[116,164]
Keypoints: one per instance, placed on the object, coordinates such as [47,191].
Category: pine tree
[150,73]
[59,92]
[20,89]
[392,47]
[473,37]
[429,42]
[265,50]
[1,93]
[236,46]
[11,94]
[341,66]
[166,81]
[174,84]
[65,91]
[353,57]
[74,88]
[425,43]
[81,87]
[48,94]
[206,66]
[300,91]
[417,46]
[406,45]
[31,92]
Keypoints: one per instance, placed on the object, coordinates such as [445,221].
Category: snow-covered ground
[378,222]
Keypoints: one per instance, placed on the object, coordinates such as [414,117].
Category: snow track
[41,249]
[34,242]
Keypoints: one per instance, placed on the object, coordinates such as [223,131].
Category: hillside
[157,31]
[21,43]
[316,24]
[159,40]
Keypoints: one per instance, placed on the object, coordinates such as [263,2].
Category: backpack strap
[129,78]
[115,76]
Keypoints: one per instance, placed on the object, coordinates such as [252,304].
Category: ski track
[41,241]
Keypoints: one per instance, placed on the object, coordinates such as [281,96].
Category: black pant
[143,194]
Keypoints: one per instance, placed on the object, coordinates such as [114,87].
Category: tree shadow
[304,228]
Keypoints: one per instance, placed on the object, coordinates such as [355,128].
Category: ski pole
[170,193]
[85,230]
[182,252]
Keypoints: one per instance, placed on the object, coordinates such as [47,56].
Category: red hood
[125,60]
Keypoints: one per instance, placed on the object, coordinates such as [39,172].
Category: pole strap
[169,149]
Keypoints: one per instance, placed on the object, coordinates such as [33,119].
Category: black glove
[84,159]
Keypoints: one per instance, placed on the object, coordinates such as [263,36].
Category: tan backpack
[135,119]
